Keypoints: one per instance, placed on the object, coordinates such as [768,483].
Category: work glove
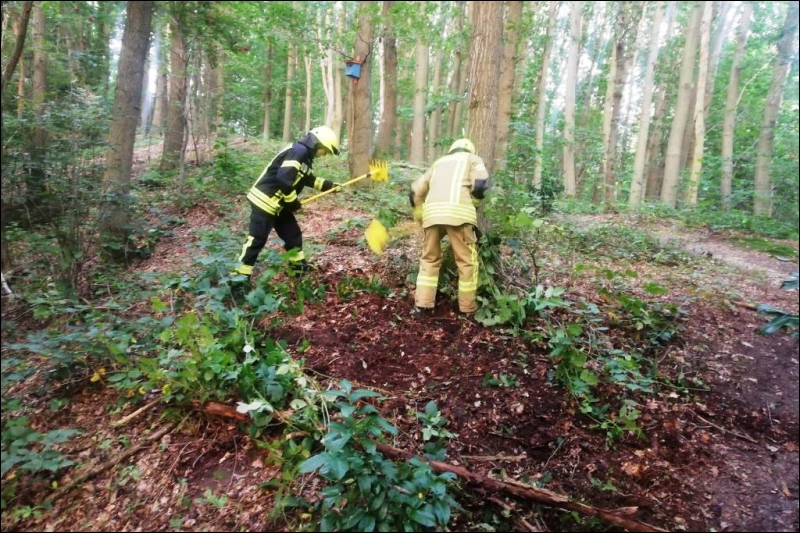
[476,202]
[418,214]
[337,187]
[294,206]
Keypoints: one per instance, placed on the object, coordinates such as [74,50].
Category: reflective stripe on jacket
[445,191]
[283,179]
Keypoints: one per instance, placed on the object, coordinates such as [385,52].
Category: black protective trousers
[261,224]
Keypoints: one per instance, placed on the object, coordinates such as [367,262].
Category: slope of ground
[722,459]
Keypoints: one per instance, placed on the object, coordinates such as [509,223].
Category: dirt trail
[702,243]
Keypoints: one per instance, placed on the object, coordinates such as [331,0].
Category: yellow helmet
[327,138]
[462,144]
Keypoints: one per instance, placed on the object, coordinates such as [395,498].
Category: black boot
[239,289]
[299,268]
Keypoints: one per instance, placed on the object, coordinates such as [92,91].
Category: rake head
[377,237]
[379,170]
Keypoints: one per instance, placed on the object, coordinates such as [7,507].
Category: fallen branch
[125,419]
[526,491]
[735,434]
[93,472]
[519,521]
[490,458]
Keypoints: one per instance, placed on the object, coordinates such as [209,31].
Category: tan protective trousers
[464,243]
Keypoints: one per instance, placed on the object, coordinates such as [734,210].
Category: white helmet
[327,139]
[462,144]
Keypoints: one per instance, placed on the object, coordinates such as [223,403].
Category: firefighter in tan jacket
[444,201]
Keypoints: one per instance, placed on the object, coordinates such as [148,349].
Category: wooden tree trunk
[307,62]
[160,103]
[389,113]
[458,79]
[624,30]
[115,213]
[762,202]
[265,130]
[507,78]
[434,124]
[338,112]
[569,104]
[417,155]
[541,104]
[288,107]
[654,159]
[176,105]
[485,53]
[672,160]
[729,124]
[637,182]
[20,30]
[699,110]
[360,124]
[608,110]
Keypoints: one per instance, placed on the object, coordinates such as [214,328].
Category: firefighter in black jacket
[273,198]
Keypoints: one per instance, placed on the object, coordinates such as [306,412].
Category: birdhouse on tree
[352,68]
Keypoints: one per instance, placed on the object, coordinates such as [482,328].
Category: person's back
[444,201]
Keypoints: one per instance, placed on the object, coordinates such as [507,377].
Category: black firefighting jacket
[284,178]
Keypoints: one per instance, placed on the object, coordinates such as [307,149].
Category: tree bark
[389,112]
[265,133]
[699,109]
[160,103]
[729,124]
[417,155]
[288,107]
[115,214]
[541,107]
[176,104]
[307,62]
[436,115]
[485,52]
[637,182]
[762,202]
[507,77]
[457,82]
[20,30]
[360,124]
[569,105]
[669,187]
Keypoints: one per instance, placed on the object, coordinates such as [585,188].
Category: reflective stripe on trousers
[464,244]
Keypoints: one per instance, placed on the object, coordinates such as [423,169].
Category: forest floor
[723,457]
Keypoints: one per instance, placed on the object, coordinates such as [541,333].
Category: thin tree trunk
[307,61]
[267,93]
[176,105]
[389,111]
[608,108]
[671,183]
[699,110]
[624,29]
[507,76]
[115,214]
[637,181]
[569,105]
[288,107]
[729,125]
[654,158]
[20,30]
[338,113]
[458,79]
[360,125]
[417,155]
[436,114]
[762,202]
[541,104]
[485,52]
[160,101]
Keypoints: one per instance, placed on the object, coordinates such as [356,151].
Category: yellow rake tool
[378,172]
[377,237]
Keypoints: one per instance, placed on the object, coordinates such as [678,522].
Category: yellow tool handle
[334,189]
